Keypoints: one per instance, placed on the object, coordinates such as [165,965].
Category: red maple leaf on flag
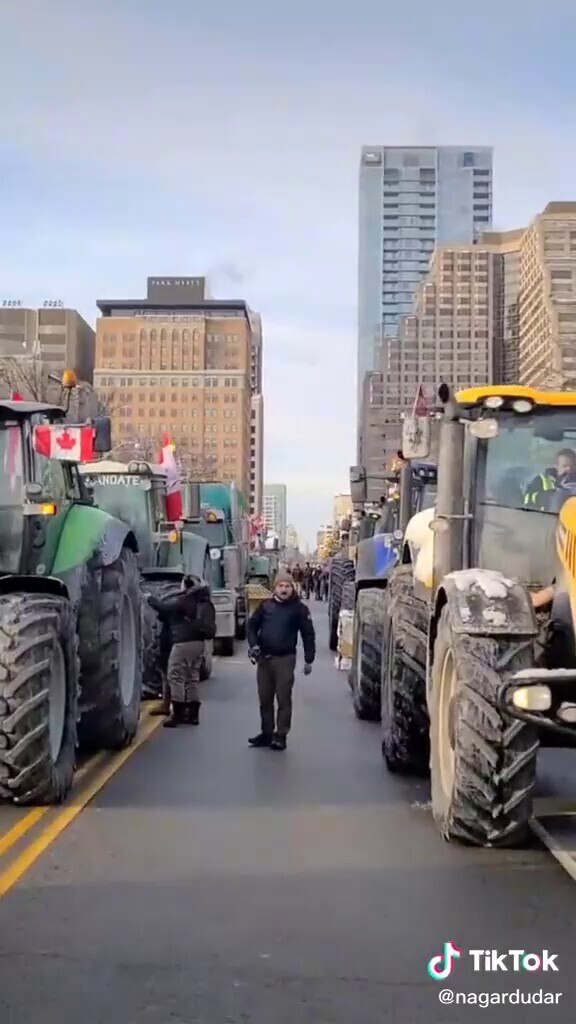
[65,441]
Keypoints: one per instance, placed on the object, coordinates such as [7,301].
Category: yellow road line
[76,804]
[21,828]
[10,838]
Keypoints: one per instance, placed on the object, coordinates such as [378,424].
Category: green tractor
[70,628]
[136,494]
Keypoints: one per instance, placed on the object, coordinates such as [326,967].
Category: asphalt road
[209,883]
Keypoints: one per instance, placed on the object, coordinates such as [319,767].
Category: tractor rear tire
[483,763]
[111,659]
[341,570]
[366,668]
[405,724]
[39,670]
[154,660]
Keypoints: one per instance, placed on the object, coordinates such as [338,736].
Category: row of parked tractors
[463,592]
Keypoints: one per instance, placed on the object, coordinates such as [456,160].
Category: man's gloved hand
[307,669]
[254,653]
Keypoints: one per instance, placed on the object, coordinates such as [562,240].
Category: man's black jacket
[275,625]
[190,615]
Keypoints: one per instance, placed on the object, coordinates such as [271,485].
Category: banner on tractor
[67,444]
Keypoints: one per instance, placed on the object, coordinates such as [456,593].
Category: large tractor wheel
[405,726]
[366,671]
[483,764]
[341,570]
[111,659]
[154,659]
[39,671]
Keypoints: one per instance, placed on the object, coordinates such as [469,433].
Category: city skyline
[260,189]
[411,199]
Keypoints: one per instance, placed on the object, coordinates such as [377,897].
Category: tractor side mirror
[102,434]
[416,437]
[358,485]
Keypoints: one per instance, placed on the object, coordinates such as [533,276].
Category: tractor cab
[489,598]
[509,464]
[39,482]
[136,493]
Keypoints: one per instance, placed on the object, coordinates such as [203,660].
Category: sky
[142,138]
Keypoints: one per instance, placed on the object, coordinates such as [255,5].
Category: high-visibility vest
[546,483]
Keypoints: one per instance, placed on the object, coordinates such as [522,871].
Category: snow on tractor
[481,659]
[70,650]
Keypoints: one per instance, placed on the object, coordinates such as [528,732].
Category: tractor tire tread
[29,625]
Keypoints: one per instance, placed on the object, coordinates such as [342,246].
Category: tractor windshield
[130,503]
[11,497]
[214,533]
[524,475]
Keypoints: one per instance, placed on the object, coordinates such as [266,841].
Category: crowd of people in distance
[311,580]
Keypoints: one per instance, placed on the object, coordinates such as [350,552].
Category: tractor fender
[484,602]
[90,535]
[33,585]
[375,559]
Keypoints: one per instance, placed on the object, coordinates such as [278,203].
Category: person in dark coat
[190,617]
[273,633]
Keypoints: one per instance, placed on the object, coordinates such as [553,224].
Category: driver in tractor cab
[540,490]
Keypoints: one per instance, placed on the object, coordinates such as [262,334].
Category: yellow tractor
[480,666]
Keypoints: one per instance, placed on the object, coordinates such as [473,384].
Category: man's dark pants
[275,681]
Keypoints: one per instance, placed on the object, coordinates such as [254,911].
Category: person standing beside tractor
[190,618]
[272,640]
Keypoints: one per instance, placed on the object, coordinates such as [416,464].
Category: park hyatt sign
[176,289]
[176,282]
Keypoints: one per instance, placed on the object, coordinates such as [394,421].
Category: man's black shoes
[262,740]
[278,743]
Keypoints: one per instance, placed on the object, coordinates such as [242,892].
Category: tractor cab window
[12,463]
[11,497]
[214,533]
[126,498]
[524,475]
[52,477]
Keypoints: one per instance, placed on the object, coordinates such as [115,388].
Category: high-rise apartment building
[274,510]
[547,298]
[411,199]
[179,363]
[448,338]
[535,298]
[505,247]
[257,418]
[59,338]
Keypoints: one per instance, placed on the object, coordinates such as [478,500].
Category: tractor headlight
[532,698]
[494,402]
[522,405]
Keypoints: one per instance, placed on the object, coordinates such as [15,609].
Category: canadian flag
[68,444]
[174,506]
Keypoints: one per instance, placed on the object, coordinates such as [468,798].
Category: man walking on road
[191,620]
[272,640]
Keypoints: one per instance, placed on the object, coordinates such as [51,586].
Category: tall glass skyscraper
[411,199]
